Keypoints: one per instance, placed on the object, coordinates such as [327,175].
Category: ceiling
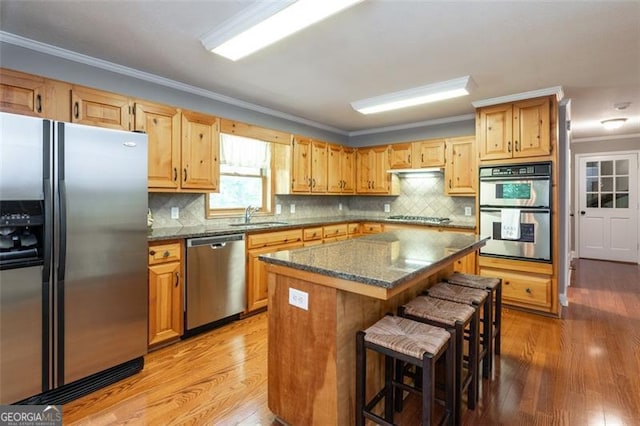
[590,48]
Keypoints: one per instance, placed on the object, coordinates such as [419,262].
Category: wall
[464,127]
[419,196]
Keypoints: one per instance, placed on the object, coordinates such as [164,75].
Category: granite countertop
[224,228]
[384,260]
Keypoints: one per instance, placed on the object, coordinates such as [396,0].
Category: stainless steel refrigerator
[73,283]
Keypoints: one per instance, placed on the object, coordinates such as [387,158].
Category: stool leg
[487,337]
[498,324]
[428,390]
[399,393]
[450,372]
[388,388]
[474,350]
[457,341]
[361,378]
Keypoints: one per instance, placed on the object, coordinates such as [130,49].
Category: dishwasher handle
[215,242]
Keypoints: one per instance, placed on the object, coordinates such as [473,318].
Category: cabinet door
[98,108]
[379,165]
[200,148]
[334,169]
[301,165]
[531,128]
[460,170]
[428,153]
[363,170]
[348,170]
[400,156]
[22,93]
[162,126]
[495,132]
[318,167]
[165,302]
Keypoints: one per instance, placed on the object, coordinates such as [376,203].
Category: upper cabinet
[372,164]
[98,108]
[341,171]
[200,169]
[308,166]
[460,172]
[514,130]
[400,156]
[27,94]
[161,123]
[417,155]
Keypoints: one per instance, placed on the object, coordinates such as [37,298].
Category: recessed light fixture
[416,96]
[614,123]
[266,22]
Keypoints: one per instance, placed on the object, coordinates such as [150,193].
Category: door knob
[582,212]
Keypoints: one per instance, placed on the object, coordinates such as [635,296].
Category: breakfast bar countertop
[384,260]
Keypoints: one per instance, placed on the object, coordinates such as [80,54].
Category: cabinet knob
[177,279]
[152,253]
[166,254]
[528,290]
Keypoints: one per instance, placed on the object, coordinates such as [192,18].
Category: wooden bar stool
[492,285]
[455,318]
[407,341]
[482,302]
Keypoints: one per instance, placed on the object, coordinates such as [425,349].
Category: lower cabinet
[466,264]
[165,292]
[524,284]
[258,244]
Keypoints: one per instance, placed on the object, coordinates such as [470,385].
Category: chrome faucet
[248,212]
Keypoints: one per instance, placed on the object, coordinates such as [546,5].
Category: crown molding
[48,49]
[606,138]
[435,122]
[556,90]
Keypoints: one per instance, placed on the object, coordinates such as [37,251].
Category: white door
[608,207]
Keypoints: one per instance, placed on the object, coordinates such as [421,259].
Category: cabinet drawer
[274,238]
[523,289]
[333,231]
[372,228]
[312,234]
[353,228]
[167,252]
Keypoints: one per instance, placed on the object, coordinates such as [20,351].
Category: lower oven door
[535,235]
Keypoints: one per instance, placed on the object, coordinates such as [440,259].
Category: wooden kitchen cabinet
[354,230]
[312,236]
[428,153]
[331,233]
[309,166]
[515,130]
[161,123]
[98,108]
[200,149]
[372,228]
[165,292]
[27,94]
[460,172]
[257,244]
[372,164]
[400,156]
[341,171]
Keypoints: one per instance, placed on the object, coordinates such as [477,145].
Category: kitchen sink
[258,224]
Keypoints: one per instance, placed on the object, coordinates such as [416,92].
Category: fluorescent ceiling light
[266,22]
[614,123]
[416,96]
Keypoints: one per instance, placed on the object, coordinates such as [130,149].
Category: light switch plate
[292,208]
[387,208]
[175,213]
[339,206]
[467,211]
[299,298]
[278,208]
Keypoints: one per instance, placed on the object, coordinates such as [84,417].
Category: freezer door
[102,260]
[21,335]
[21,156]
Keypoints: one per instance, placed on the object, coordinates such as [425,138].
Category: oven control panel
[523,170]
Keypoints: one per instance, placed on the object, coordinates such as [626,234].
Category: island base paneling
[312,352]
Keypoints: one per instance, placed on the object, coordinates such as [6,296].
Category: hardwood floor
[583,369]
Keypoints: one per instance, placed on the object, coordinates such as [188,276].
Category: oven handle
[512,178]
[492,210]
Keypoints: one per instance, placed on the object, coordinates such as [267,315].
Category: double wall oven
[515,211]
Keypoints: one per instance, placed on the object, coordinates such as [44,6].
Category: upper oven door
[518,192]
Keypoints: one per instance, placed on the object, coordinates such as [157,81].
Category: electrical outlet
[467,211]
[339,206]
[175,213]
[292,208]
[387,208]
[299,298]
[278,208]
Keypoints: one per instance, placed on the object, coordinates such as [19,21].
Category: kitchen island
[320,296]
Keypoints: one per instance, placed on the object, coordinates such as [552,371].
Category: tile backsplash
[419,196]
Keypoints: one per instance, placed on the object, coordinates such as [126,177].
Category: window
[245,177]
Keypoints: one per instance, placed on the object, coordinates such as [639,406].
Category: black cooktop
[422,219]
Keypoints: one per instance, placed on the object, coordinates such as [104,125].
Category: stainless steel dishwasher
[215,286]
